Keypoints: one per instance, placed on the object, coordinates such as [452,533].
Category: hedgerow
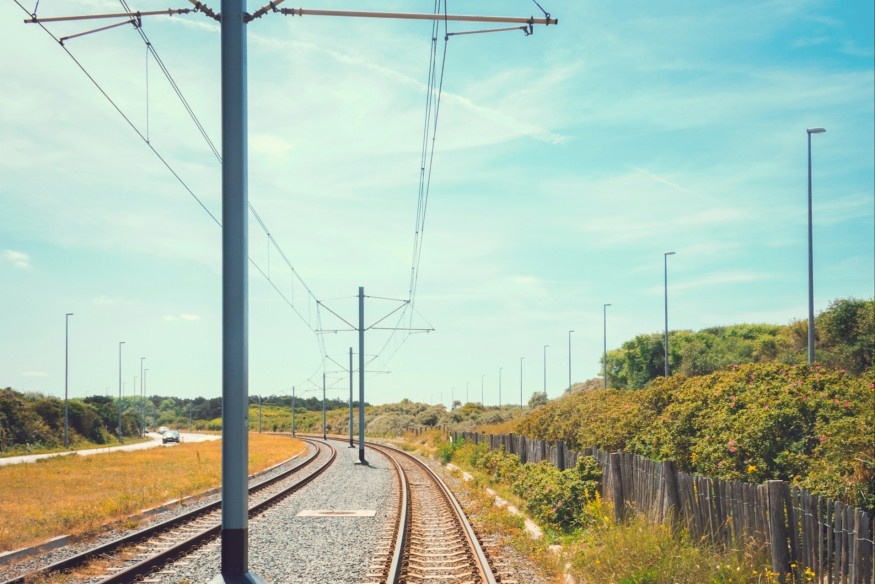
[808,425]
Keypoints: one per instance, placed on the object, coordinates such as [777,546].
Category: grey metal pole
[665,258]
[293,410]
[351,445]
[145,385]
[142,421]
[235,292]
[482,397]
[189,417]
[605,337]
[545,370]
[499,386]
[362,375]
[811,131]
[521,382]
[66,378]
[467,401]
[120,390]
[259,414]
[569,359]
[324,430]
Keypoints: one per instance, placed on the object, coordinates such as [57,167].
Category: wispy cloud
[738,277]
[182,316]
[17,259]
[853,49]
[104,300]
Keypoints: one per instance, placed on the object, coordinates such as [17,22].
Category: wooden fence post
[671,499]
[778,499]
[617,486]
[560,455]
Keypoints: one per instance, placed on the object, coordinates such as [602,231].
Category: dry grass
[506,427]
[72,495]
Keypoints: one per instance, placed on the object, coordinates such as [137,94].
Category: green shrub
[811,426]
[556,499]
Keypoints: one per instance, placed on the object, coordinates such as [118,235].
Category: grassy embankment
[596,549]
[73,495]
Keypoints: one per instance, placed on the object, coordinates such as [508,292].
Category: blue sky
[566,163]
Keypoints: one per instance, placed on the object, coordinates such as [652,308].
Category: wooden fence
[801,531]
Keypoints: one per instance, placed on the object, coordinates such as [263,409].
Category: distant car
[162,429]
[171,436]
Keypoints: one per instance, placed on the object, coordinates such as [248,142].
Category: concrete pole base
[247,578]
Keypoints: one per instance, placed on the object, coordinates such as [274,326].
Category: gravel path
[286,548]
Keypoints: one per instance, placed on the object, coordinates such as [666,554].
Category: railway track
[138,554]
[433,540]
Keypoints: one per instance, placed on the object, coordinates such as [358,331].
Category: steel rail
[485,571]
[401,536]
[107,548]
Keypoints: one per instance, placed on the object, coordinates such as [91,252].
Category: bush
[556,499]
[807,425]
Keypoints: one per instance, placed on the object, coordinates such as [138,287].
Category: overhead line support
[417,16]
[168,12]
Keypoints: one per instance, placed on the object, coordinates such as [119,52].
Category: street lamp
[811,131]
[521,382]
[66,377]
[293,410]
[120,390]
[499,386]
[142,395]
[569,359]
[665,260]
[545,370]
[605,337]
[143,405]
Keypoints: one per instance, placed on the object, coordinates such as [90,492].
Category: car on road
[162,430]
[171,436]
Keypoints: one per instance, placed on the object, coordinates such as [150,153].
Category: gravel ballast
[285,547]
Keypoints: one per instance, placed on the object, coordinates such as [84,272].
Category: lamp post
[605,337]
[66,378]
[324,430]
[120,390]
[482,398]
[499,386]
[259,414]
[811,131]
[521,382]
[143,408]
[665,260]
[569,359]
[142,422]
[545,370]
[293,410]
[467,401]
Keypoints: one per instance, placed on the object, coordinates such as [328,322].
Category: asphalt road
[154,440]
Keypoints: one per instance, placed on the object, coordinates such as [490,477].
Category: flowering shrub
[808,425]
[557,499]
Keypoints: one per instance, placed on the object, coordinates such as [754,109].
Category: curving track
[433,541]
[138,554]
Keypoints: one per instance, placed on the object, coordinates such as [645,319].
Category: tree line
[844,339]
